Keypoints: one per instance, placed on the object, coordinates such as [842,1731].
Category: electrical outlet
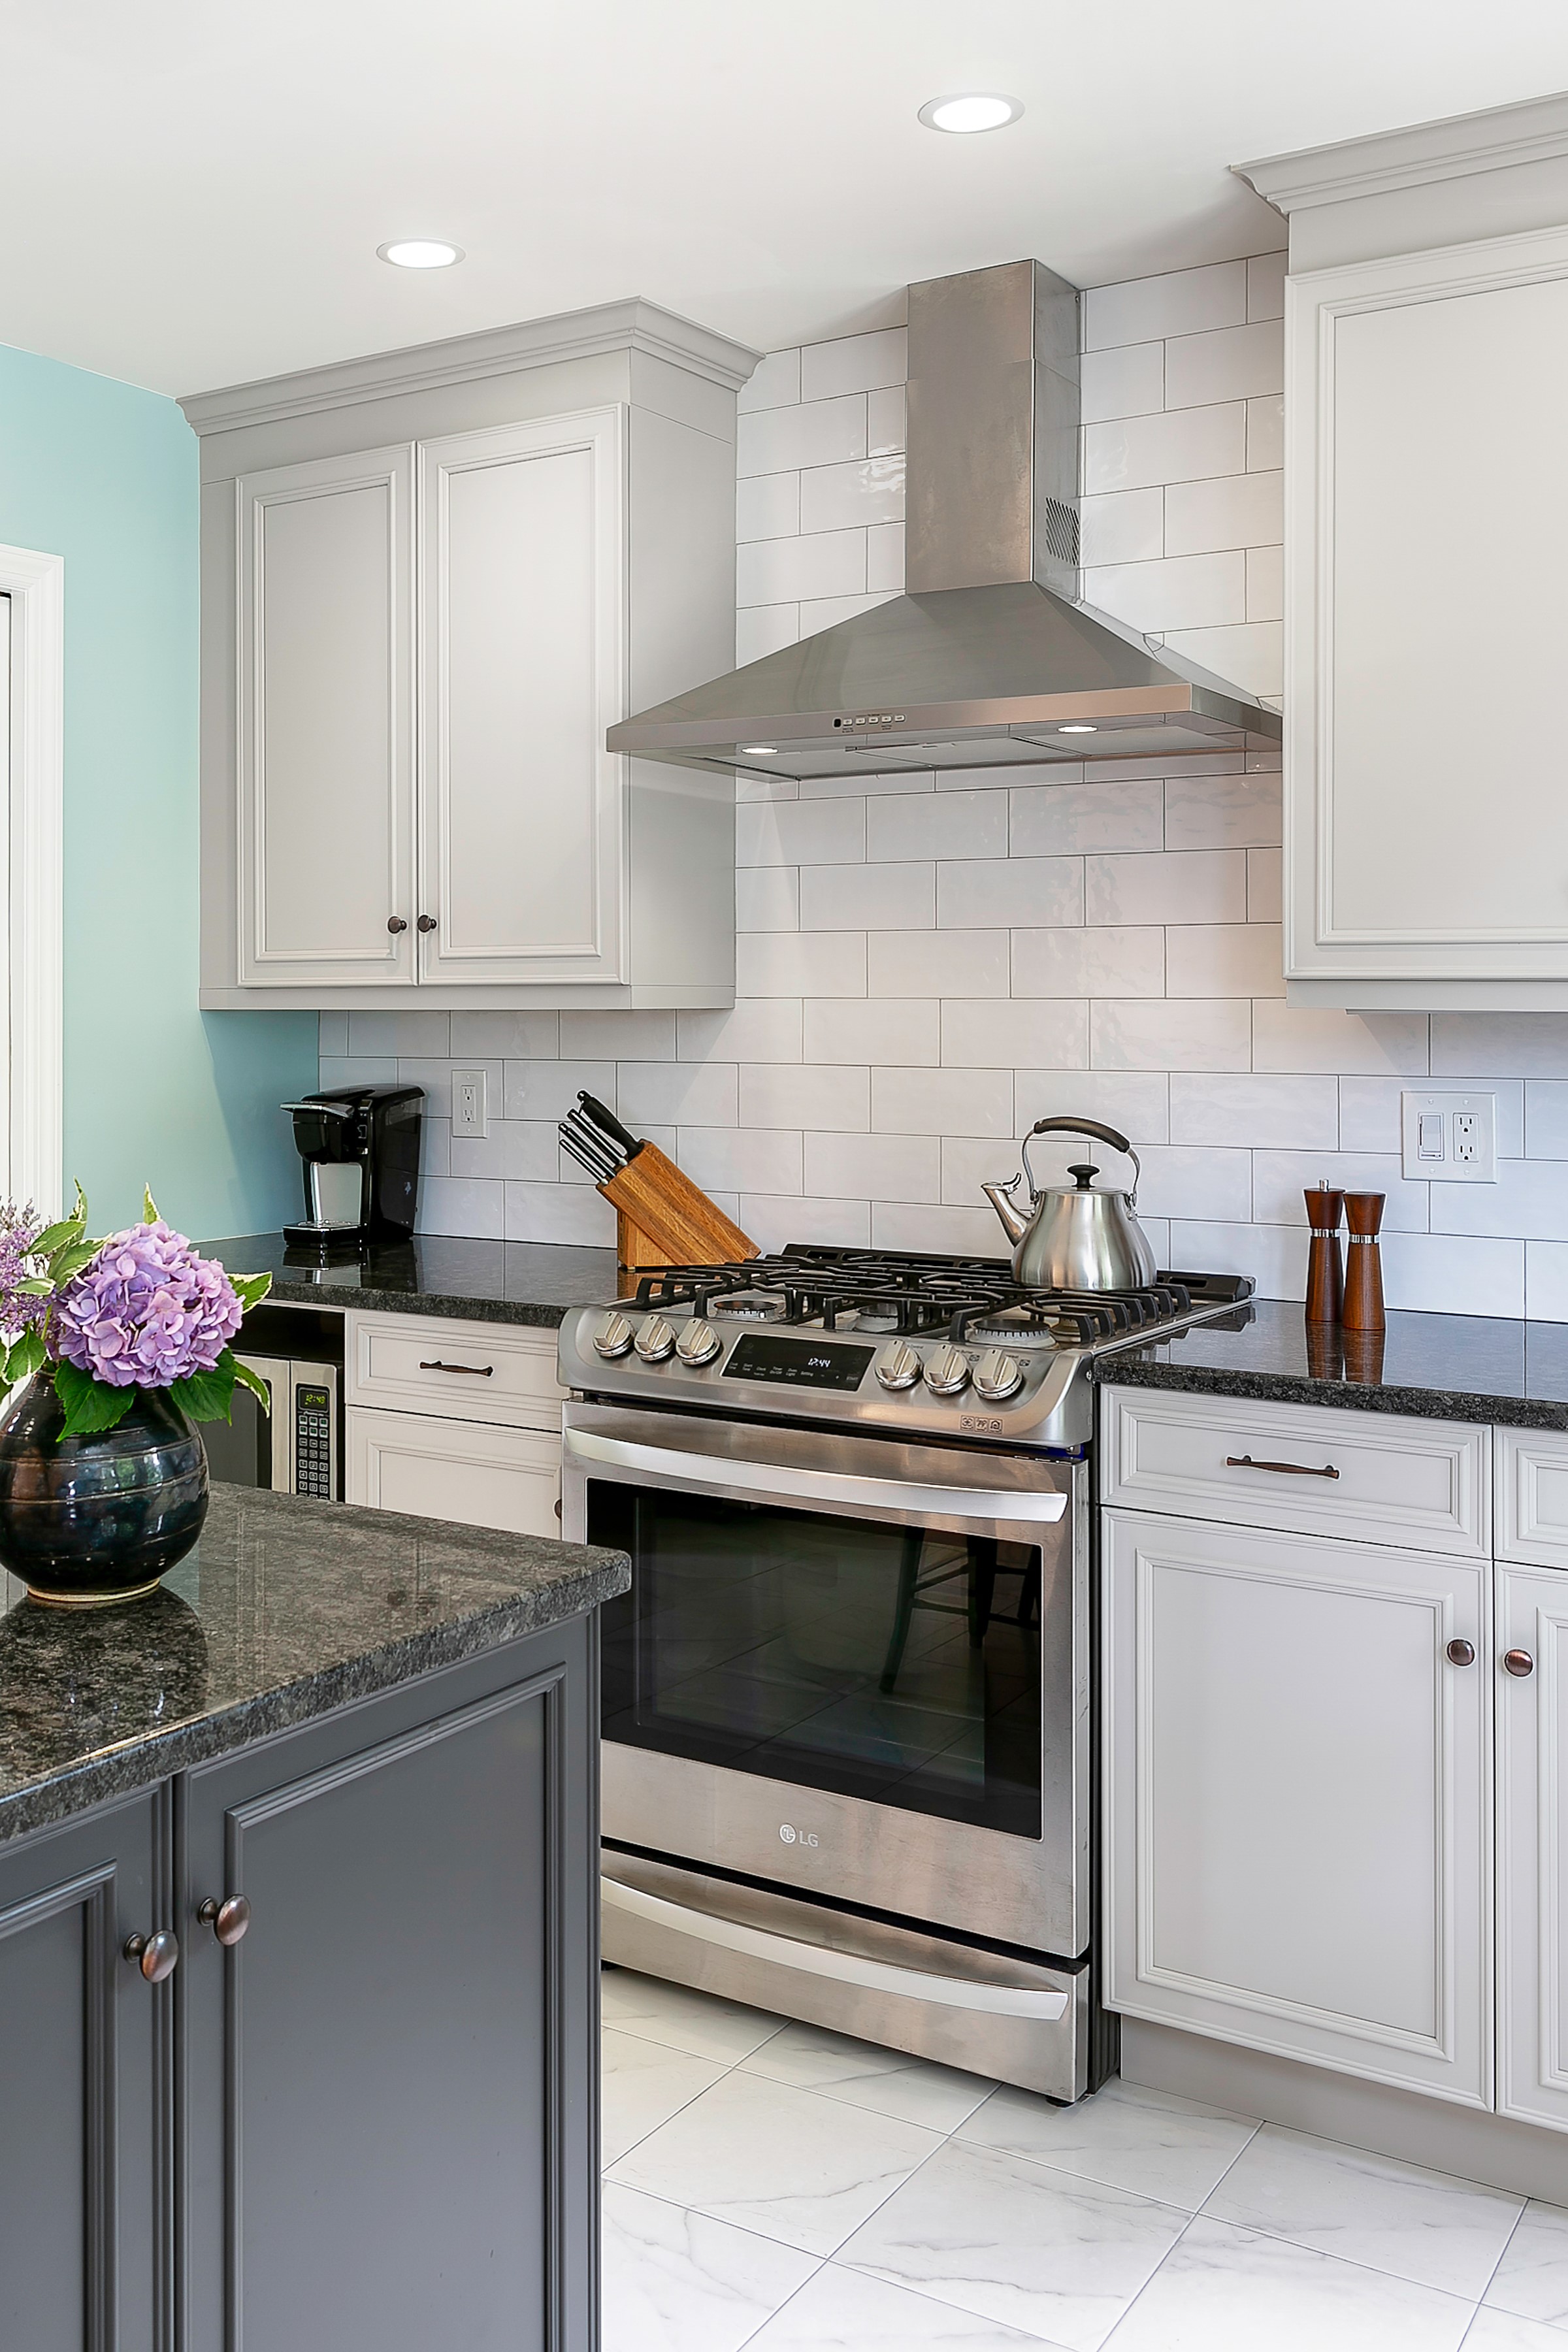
[470,1111]
[1452,1139]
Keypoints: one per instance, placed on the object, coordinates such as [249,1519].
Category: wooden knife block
[662,1218]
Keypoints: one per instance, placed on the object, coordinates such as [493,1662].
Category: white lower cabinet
[1299,1851]
[476,1472]
[1532,1845]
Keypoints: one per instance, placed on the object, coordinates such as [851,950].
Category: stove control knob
[947,1372]
[899,1365]
[699,1343]
[655,1340]
[998,1376]
[613,1340]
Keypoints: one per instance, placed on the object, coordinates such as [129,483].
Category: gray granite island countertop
[473,1281]
[1478,1368]
[286,1610]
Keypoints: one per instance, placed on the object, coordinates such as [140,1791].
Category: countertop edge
[1288,1388]
[141,1763]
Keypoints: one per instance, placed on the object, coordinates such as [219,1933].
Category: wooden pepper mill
[1363,1308]
[1325,1275]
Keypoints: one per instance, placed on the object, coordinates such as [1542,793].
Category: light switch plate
[1451,1139]
[470,1110]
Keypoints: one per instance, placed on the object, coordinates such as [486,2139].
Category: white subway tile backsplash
[332,1034]
[973,1231]
[759,1029]
[1546,1118]
[619,1036]
[1251,653]
[1458,1275]
[806,1094]
[767,898]
[801,833]
[941,1102]
[1229,364]
[472,1205]
[1149,1033]
[1183,592]
[1224,960]
[1122,527]
[884,559]
[675,1094]
[1280,1179]
[873,895]
[1051,819]
[741,1159]
[800,964]
[1178,302]
[815,433]
[838,498]
[875,1167]
[1235,811]
[1274,1255]
[1014,1032]
[1546,1281]
[1294,1114]
[1179,886]
[885,420]
[548,1090]
[405,1035]
[1129,381]
[513,1037]
[901,964]
[1181,1182]
[968,1161]
[762,629]
[362,1070]
[1529,1198]
[1265,584]
[1265,889]
[1266,433]
[870,1029]
[938,825]
[1266,286]
[826,612]
[819,563]
[854,363]
[1184,446]
[773,1221]
[1237,510]
[1313,1037]
[573,1213]
[1105,960]
[774,382]
[767,506]
[970,896]
[1136,1102]
[1514,1044]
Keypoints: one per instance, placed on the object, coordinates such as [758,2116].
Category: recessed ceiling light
[759,750]
[973,110]
[420,252]
[1078,727]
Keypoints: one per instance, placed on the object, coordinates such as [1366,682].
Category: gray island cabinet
[299,1945]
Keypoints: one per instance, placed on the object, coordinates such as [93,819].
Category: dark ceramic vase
[85,1520]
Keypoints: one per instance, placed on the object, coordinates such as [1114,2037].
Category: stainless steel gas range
[848,1702]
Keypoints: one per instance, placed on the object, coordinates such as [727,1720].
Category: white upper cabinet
[521,574]
[1427,508]
[326,720]
[430,583]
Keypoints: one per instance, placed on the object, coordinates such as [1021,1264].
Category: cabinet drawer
[1417,1484]
[1532,1497]
[470,1471]
[472,1371]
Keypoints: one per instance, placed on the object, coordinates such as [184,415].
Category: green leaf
[36,1285]
[54,1237]
[78,1206]
[25,1357]
[246,1377]
[251,1289]
[67,1262]
[149,1208]
[207,1396]
[91,1405]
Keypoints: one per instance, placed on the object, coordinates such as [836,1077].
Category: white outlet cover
[1428,1120]
[470,1109]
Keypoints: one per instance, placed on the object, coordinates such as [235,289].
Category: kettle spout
[1014,1224]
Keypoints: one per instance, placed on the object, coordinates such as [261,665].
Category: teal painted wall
[155,1091]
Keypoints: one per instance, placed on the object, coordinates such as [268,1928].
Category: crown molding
[1535,130]
[631,325]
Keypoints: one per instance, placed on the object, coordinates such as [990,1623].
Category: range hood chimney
[989,660]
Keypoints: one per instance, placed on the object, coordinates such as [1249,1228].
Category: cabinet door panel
[85,2140]
[1532,1849]
[479,1474]
[326,720]
[391,2035]
[1298,1832]
[523,588]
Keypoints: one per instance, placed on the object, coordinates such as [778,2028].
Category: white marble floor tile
[843,2311]
[863,2074]
[1230,2290]
[686,2020]
[1507,2331]
[1532,2276]
[677,2281]
[1145,2141]
[1056,2257]
[1419,2225]
[643,2085]
[781,2161]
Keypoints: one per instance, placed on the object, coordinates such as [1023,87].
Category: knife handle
[606,1121]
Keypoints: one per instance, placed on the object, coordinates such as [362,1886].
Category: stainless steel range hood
[989,660]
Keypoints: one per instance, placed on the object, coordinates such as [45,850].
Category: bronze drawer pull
[478,1371]
[230,1920]
[157,1955]
[1286,1469]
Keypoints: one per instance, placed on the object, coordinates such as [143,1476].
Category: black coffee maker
[360,1149]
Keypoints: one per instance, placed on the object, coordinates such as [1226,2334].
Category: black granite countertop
[481,1282]
[1442,1367]
[286,1610]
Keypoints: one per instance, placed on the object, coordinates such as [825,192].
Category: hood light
[975,110]
[420,252]
[758,751]
[1078,727]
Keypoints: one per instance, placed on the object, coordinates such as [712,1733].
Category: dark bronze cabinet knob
[1518,1662]
[157,1955]
[1461,1653]
[228,1920]
[395,923]
[427,922]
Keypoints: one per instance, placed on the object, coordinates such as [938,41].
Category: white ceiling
[192,191]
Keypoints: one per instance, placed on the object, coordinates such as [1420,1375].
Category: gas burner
[1012,1327]
[750,1307]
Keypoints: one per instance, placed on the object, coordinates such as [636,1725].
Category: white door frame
[32,975]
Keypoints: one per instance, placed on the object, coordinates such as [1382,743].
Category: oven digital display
[809,1363]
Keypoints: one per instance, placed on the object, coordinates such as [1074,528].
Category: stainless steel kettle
[1074,1237]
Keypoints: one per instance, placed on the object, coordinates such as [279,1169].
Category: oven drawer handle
[844,1967]
[477,1372]
[779,1482]
[1284,1469]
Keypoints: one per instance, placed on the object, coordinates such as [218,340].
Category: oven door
[847,1665]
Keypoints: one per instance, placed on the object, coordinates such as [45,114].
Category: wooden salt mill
[1325,1277]
[1364,1264]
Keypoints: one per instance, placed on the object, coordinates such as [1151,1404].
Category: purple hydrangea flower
[145,1312]
[19,1229]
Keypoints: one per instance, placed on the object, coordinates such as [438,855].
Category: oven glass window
[888,1664]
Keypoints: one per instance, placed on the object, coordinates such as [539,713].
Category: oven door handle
[823,1960]
[781,1482]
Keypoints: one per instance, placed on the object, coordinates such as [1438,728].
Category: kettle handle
[1100,1134]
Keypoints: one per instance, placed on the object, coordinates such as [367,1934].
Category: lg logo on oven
[789,1836]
